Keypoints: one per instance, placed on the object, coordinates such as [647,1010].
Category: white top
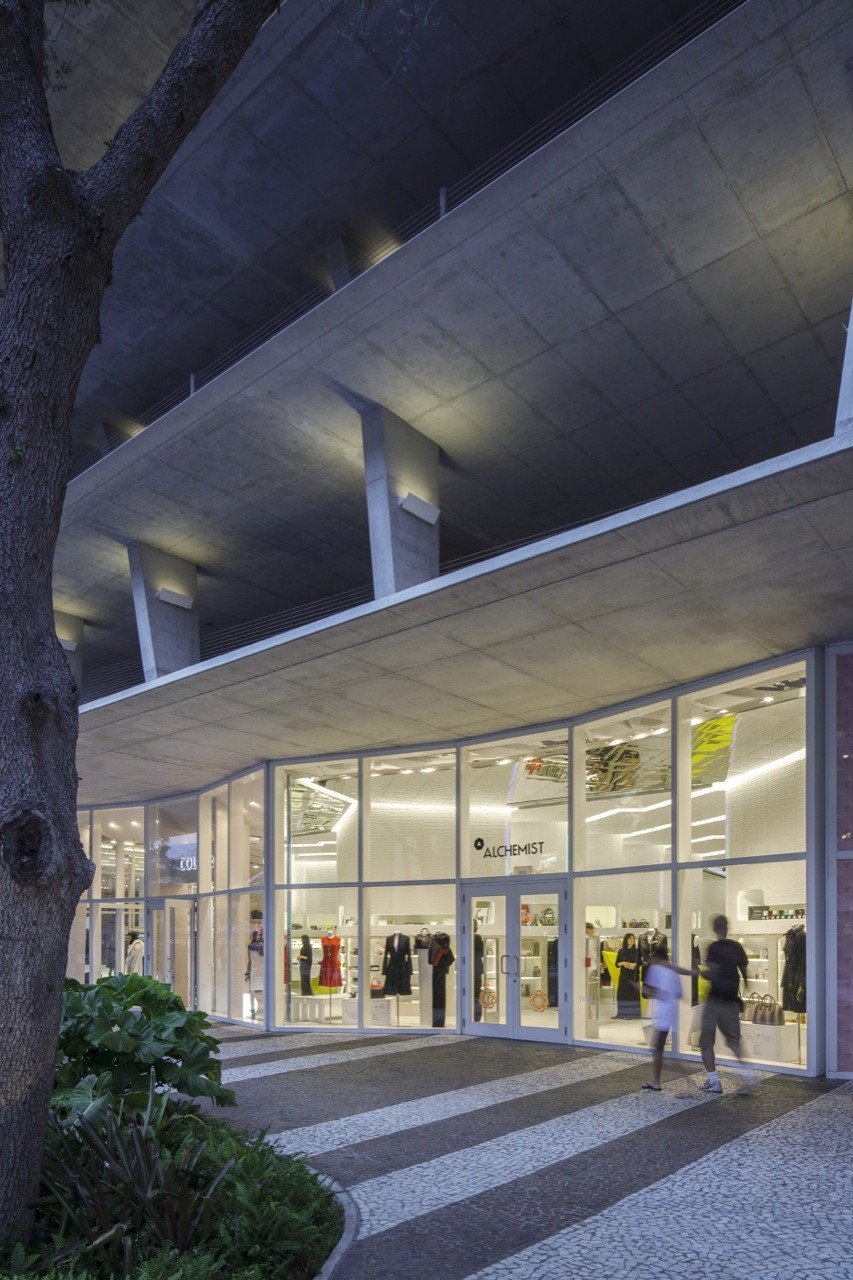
[667,993]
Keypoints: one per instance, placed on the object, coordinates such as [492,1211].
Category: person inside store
[134,960]
[255,970]
[628,987]
[725,965]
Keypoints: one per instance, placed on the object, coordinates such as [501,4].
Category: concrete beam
[401,476]
[69,633]
[844,416]
[165,599]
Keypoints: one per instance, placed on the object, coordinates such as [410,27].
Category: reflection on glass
[765,906]
[213,840]
[323,956]
[517,812]
[247,956]
[247,830]
[319,821]
[489,959]
[119,853]
[624,774]
[118,939]
[410,945]
[412,830]
[173,847]
[539,961]
[213,954]
[743,746]
[617,921]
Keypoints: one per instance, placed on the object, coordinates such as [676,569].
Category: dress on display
[330,965]
[441,958]
[397,965]
[553,973]
[479,970]
[306,959]
[794,974]
[628,987]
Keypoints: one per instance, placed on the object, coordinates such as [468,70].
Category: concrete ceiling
[727,574]
[340,121]
[655,297]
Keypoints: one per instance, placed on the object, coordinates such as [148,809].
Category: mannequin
[135,958]
[330,965]
[255,970]
[306,959]
[479,970]
[441,958]
[397,965]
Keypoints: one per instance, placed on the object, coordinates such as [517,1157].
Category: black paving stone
[464,1237]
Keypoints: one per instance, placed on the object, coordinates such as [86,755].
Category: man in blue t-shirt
[725,965]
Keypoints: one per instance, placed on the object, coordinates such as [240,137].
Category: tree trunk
[49,326]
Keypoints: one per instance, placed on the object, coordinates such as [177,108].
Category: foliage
[115,1033]
[128,1180]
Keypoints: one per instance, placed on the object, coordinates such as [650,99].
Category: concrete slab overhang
[734,571]
[654,298]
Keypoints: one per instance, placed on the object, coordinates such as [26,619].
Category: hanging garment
[441,958]
[628,986]
[553,973]
[330,965]
[397,965]
[794,973]
[306,959]
[695,961]
[479,970]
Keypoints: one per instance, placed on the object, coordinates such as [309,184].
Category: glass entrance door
[172,945]
[515,961]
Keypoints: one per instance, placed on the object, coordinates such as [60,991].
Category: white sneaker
[708,1086]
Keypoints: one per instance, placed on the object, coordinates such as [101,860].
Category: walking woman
[628,987]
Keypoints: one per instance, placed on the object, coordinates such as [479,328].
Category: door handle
[502,962]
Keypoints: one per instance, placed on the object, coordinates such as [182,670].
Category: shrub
[112,1036]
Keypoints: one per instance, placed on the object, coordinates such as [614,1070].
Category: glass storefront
[511,887]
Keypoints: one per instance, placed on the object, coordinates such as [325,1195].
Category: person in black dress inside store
[628,987]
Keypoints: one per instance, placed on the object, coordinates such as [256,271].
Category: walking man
[725,964]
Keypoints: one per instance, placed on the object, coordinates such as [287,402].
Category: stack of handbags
[766,1012]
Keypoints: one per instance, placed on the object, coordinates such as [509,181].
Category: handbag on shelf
[768,1013]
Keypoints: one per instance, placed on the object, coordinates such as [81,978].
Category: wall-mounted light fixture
[168,596]
[420,508]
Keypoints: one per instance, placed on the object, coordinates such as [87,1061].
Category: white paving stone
[311,1061]
[394,1198]
[775,1202]
[333,1134]
[281,1044]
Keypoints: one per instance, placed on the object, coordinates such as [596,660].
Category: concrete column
[401,475]
[69,633]
[844,416]
[165,598]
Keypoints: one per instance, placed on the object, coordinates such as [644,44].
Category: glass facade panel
[247,956]
[623,785]
[213,840]
[743,749]
[515,820]
[173,847]
[765,905]
[318,822]
[118,932]
[247,830]
[213,954]
[412,828]
[78,945]
[617,919]
[410,948]
[118,850]
[323,956]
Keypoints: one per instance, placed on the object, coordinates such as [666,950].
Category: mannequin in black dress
[306,959]
[628,988]
[440,958]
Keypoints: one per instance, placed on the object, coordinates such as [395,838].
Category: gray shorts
[724,1014]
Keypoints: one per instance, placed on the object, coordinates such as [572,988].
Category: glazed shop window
[118,939]
[317,815]
[213,841]
[516,818]
[410,949]
[617,921]
[247,956]
[412,830]
[78,945]
[742,746]
[247,830]
[213,954]
[173,847]
[118,851]
[623,790]
[765,905]
[321,957]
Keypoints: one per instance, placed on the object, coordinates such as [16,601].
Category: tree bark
[60,230]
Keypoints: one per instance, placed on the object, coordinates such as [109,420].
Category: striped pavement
[474,1159]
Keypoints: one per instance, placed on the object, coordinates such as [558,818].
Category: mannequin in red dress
[330,965]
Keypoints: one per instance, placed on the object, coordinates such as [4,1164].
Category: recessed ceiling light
[429,769]
[505,761]
[767,698]
[407,771]
[637,736]
[617,742]
[134,823]
[724,711]
[661,729]
[694,720]
[114,825]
